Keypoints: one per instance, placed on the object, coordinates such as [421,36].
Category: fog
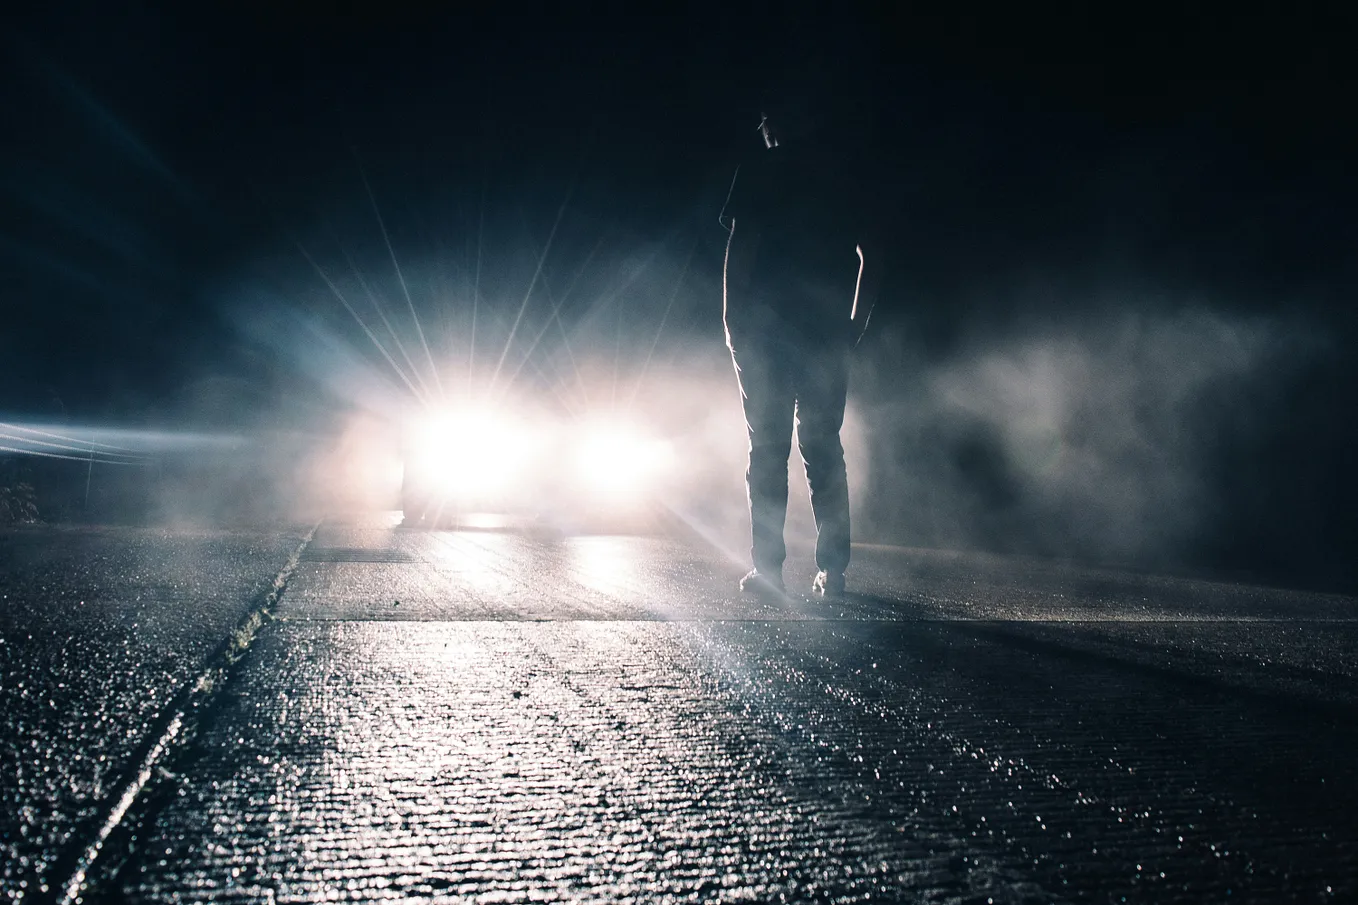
[1099,435]
[1101,430]
[1148,430]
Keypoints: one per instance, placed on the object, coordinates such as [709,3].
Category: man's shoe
[829,585]
[757,582]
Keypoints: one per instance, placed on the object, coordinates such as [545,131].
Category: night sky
[1149,211]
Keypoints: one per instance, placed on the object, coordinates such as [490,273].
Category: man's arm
[871,262]
[727,216]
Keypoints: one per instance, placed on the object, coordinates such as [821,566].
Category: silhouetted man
[793,274]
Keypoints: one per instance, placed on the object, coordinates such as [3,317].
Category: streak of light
[138,448]
[561,326]
[399,276]
[579,378]
[366,329]
[580,271]
[29,442]
[617,357]
[32,254]
[49,455]
[105,120]
[381,312]
[557,387]
[31,446]
[56,199]
[55,436]
[708,534]
[678,284]
[602,303]
[476,285]
[542,260]
[632,277]
[555,317]
[130,443]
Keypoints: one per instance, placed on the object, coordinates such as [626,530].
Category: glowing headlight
[619,458]
[472,452]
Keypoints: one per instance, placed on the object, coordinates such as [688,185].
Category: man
[794,305]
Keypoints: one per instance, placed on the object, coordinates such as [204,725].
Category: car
[511,466]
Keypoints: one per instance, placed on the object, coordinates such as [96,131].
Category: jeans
[786,375]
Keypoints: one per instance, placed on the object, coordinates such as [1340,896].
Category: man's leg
[767,397]
[822,390]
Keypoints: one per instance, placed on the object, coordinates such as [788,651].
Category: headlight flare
[499,461]
[472,453]
[614,459]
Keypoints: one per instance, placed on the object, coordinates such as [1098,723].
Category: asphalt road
[373,714]
[101,632]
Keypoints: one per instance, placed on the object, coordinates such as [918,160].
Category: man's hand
[864,293]
[858,284]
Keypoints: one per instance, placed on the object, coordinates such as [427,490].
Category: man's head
[769,130]
[788,116]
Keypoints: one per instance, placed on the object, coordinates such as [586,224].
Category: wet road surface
[101,630]
[487,717]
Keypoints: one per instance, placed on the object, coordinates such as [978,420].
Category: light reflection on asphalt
[499,717]
[602,564]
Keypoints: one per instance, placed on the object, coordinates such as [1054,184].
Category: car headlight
[619,458]
[473,451]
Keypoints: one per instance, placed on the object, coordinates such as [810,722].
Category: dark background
[1117,319]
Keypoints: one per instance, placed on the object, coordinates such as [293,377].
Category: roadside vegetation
[18,499]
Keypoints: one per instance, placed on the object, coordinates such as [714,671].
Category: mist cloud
[1095,438]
